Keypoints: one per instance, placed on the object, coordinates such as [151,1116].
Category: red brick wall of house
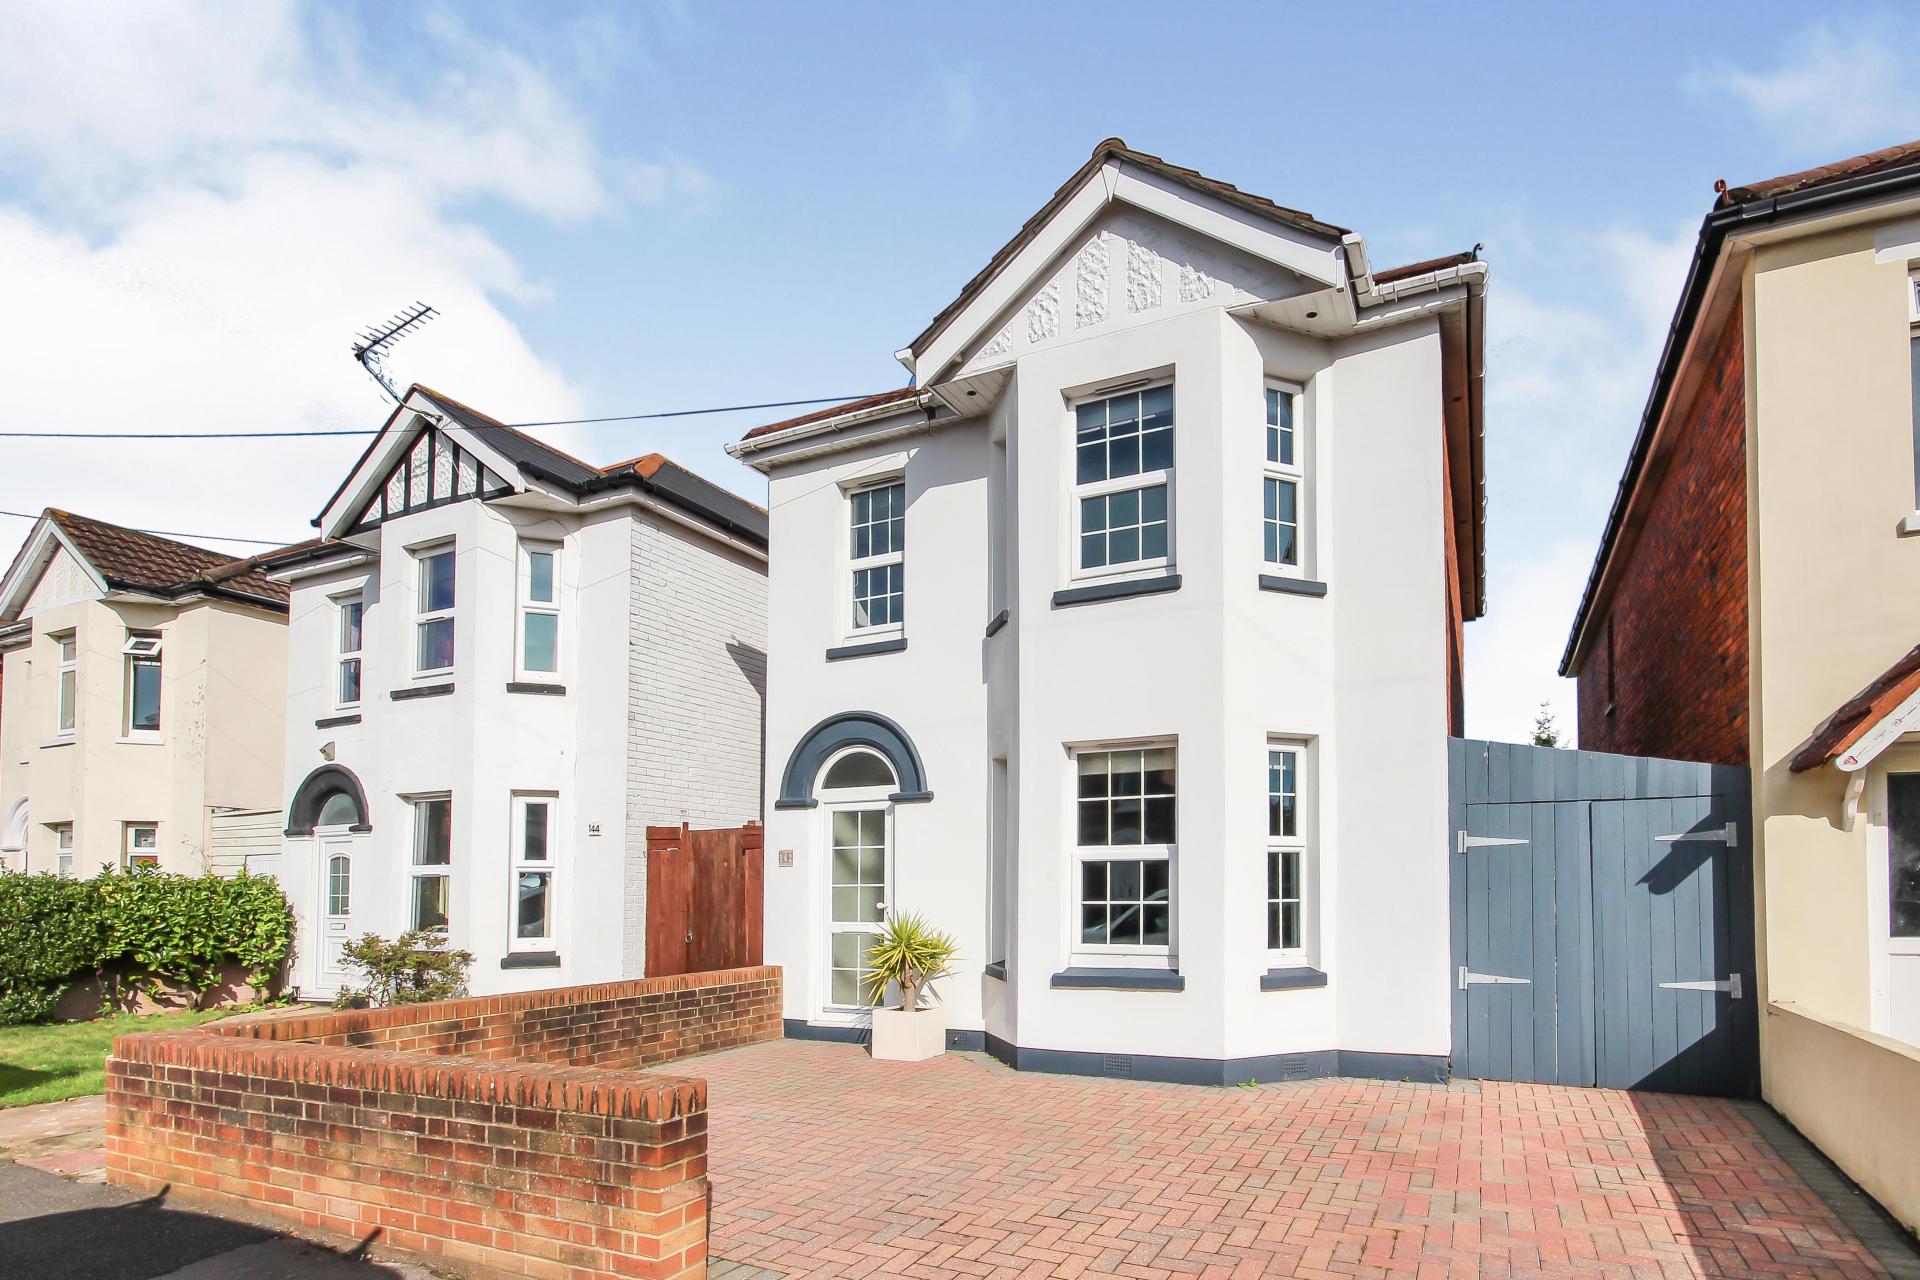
[508,1134]
[1665,672]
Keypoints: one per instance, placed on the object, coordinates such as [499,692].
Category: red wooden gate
[704,899]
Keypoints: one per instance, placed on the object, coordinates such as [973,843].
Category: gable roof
[1852,720]
[659,477]
[1871,175]
[130,560]
[1116,149]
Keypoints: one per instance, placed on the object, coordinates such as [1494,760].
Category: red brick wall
[1668,649]
[536,1151]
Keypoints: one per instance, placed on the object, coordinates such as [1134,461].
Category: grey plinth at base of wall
[422,691]
[1116,590]
[1119,979]
[1292,979]
[1292,586]
[896,645]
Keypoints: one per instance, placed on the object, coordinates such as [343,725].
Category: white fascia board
[321,568]
[46,536]
[615,498]
[1883,733]
[373,471]
[749,451]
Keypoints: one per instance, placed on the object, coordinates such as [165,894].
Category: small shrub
[910,952]
[412,969]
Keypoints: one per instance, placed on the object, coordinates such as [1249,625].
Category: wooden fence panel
[704,898]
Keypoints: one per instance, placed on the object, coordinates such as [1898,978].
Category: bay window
[877,555]
[348,630]
[432,866]
[1284,481]
[1123,481]
[539,606]
[1125,825]
[532,872]
[433,611]
[1287,861]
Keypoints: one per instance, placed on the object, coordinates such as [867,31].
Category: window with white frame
[142,847]
[433,610]
[539,639]
[877,555]
[1913,348]
[1125,842]
[143,683]
[533,872]
[1123,481]
[1284,480]
[349,630]
[1287,858]
[68,697]
[63,848]
[432,867]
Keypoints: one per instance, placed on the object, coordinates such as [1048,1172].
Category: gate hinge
[1730,984]
[1468,978]
[1728,835]
[1463,842]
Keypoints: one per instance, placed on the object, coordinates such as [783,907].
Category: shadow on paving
[58,1230]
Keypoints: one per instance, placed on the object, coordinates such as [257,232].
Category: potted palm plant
[909,954]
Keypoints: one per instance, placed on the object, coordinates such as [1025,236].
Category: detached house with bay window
[504,664]
[144,679]
[1124,643]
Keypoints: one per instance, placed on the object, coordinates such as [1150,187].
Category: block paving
[826,1163]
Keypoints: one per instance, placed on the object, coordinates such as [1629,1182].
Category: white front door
[334,918]
[860,839]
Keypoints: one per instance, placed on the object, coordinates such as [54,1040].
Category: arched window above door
[329,796]
[878,736]
[859,768]
[13,836]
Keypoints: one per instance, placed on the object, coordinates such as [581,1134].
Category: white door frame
[328,843]
[872,800]
[1882,945]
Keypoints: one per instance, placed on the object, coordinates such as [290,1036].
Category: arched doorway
[330,808]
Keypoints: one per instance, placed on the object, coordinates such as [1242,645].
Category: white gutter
[825,426]
[315,569]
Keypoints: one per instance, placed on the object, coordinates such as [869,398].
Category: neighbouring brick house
[142,695]
[1754,602]
[504,665]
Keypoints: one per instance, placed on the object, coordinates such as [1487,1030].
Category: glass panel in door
[336,910]
[857,900]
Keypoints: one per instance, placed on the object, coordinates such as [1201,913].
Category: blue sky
[648,207]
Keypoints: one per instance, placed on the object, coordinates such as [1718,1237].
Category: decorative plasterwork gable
[49,571]
[65,580]
[1063,254]
[1132,268]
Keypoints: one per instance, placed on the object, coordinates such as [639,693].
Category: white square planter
[899,1036]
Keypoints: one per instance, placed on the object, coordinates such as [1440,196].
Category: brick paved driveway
[825,1163]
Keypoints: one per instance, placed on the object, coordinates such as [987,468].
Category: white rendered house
[141,697]
[1124,644]
[503,665]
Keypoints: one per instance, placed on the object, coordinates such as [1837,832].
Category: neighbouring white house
[1124,644]
[142,698]
[503,665]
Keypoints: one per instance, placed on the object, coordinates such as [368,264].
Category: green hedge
[175,930]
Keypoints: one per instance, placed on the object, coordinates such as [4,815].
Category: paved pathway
[825,1163]
[68,1138]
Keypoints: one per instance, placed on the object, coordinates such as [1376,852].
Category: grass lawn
[45,1063]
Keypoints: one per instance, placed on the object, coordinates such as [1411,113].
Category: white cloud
[208,203]
[1839,85]
[1513,653]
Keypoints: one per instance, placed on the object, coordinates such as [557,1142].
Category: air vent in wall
[1117,1064]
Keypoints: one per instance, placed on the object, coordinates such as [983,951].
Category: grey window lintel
[531,960]
[422,691]
[895,645]
[1116,590]
[535,686]
[332,722]
[1292,978]
[1292,586]
[1086,977]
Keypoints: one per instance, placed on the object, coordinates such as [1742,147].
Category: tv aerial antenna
[373,346]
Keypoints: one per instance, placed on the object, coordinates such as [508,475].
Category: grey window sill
[999,621]
[1293,978]
[422,691]
[896,645]
[996,969]
[534,686]
[1292,586]
[531,960]
[1087,978]
[1116,590]
[334,722]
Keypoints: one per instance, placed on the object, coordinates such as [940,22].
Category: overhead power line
[173,533]
[298,435]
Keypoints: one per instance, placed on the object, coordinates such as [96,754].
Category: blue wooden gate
[1602,920]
